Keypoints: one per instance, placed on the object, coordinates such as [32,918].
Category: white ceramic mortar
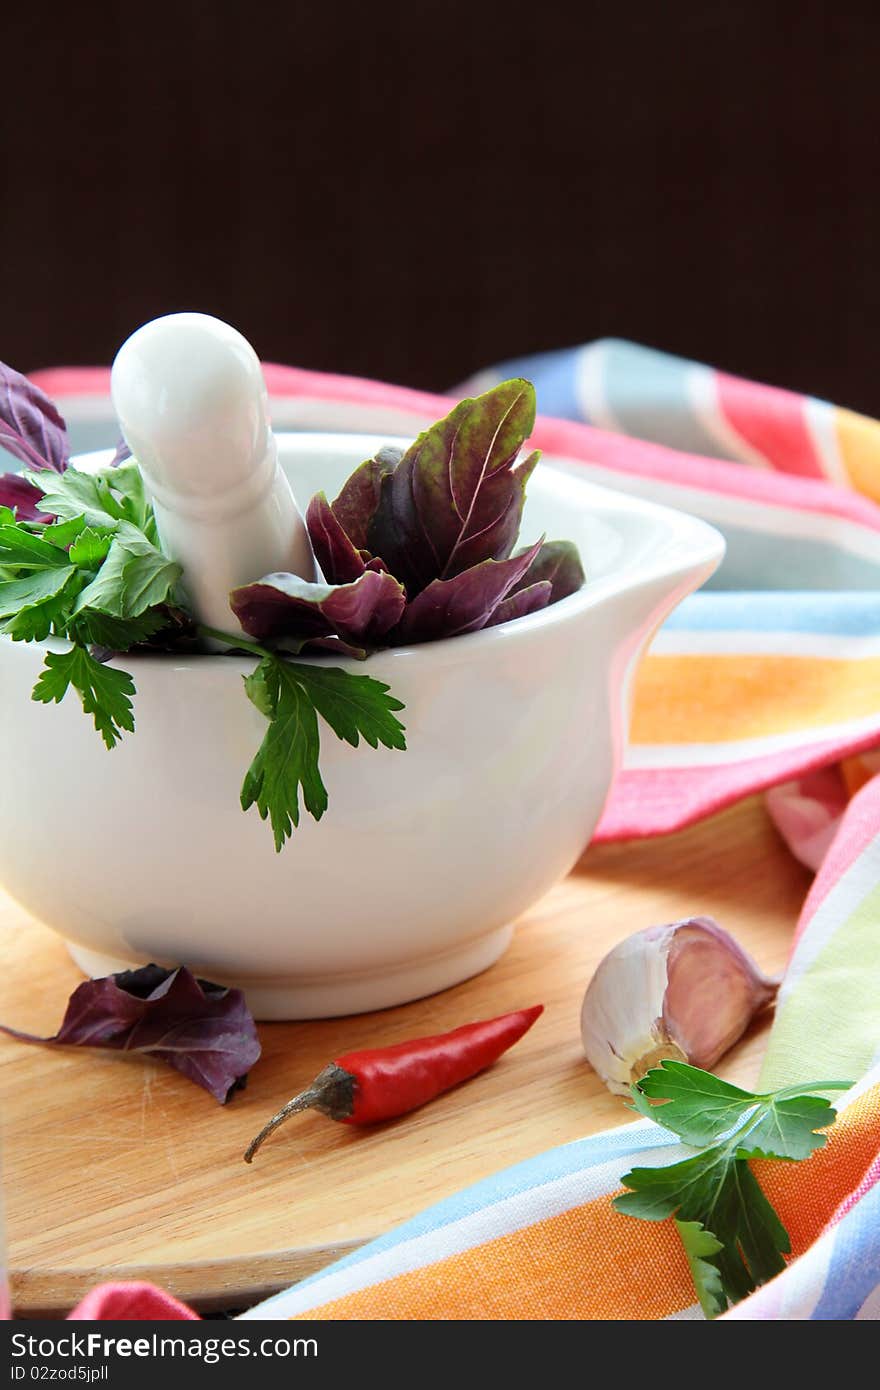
[415,876]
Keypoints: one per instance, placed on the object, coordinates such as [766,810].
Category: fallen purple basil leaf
[203,1030]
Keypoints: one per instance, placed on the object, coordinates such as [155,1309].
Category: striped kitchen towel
[772,669]
[769,677]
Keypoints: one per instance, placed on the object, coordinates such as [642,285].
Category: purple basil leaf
[559,563]
[30,426]
[331,646]
[456,497]
[340,561]
[283,605]
[465,603]
[497,517]
[22,496]
[201,1029]
[356,504]
[320,646]
[521,602]
[122,454]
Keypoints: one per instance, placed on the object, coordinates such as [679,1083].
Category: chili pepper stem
[331,1092]
[304,1101]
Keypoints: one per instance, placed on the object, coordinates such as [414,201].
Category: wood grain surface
[117,1167]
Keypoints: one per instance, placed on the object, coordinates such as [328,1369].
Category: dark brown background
[413,190]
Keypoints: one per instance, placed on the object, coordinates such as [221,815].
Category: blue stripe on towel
[844,614]
[582,1154]
[647,395]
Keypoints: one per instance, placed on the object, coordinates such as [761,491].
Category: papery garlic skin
[686,990]
[713,992]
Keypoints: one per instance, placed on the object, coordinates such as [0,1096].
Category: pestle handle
[192,405]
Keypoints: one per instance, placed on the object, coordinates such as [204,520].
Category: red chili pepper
[362,1088]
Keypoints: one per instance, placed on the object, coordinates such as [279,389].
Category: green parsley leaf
[103,690]
[104,593]
[721,1193]
[287,759]
[716,1189]
[134,577]
[38,622]
[32,588]
[289,693]
[90,547]
[147,581]
[720,1189]
[127,482]
[698,1244]
[61,534]
[117,634]
[21,549]
[353,705]
[72,494]
[258,690]
[102,498]
[7,516]
[700,1108]
[31,605]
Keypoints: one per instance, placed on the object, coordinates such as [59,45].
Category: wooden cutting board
[118,1168]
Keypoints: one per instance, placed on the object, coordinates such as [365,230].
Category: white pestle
[193,408]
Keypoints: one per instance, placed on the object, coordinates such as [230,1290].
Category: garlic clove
[622,1016]
[686,991]
[713,991]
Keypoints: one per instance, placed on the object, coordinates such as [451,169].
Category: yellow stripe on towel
[859,441]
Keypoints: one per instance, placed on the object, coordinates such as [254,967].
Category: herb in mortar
[417,546]
[95,576]
[202,1030]
[733,1238]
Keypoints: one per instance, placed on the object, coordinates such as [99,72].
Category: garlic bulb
[686,991]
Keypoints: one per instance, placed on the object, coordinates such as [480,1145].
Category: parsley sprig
[96,577]
[732,1236]
[105,692]
[290,695]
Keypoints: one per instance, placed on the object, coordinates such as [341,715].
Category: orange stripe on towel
[715,699]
